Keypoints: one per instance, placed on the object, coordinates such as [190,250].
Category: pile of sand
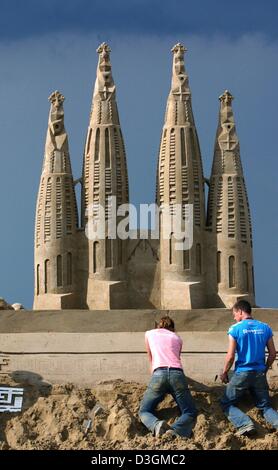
[53,418]
[4,305]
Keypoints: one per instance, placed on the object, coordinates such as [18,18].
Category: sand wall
[84,347]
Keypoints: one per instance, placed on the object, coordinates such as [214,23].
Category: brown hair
[167,323]
[243,305]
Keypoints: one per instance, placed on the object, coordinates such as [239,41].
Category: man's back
[251,337]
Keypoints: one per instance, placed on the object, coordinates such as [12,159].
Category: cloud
[32,18]
[32,68]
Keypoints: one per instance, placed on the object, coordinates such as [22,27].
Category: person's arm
[271,353]
[148,352]
[229,360]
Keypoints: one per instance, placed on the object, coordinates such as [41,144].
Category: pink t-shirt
[165,346]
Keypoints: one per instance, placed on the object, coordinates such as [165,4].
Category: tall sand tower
[180,182]
[56,219]
[229,249]
[105,187]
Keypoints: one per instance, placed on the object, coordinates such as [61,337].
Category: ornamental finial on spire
[179,48]
[226,97]
[104,86]
[56,99]
[103,47]
[180,86]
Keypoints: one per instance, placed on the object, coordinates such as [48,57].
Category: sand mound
[55,417]
[4,305]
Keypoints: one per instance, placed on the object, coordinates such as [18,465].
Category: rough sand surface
[53,415]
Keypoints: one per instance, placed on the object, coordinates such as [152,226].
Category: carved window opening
[59,271]
[245,276]
[218,266]
[211,202]
[193,143]
[46,275]
[119,169]
[172,171]
[38,223]
[52,162]
[108,252]
[95,256]
[231,209]
[38,279]
[219,204]
[198,259]
[69,269]
[68,197]
[232,280]
[242,213]
[47,211]
[58,208]
[186,259]
[97,145]
[107,149]
[183,154]
[161,170]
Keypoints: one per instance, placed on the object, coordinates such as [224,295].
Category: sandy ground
[53,415]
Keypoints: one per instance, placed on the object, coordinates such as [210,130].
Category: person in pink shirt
[164,350]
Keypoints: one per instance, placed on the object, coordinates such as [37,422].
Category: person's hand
[224,377]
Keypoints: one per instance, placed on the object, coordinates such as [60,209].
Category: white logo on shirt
[256,332]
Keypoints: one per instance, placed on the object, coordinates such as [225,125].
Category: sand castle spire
[56,218]
[180,181]
[104,176]
[228,220]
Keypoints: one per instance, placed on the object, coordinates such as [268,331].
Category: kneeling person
[164,350]
[248,338]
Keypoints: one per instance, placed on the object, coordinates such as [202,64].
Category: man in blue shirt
[248,338]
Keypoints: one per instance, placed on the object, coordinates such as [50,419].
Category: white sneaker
[246,430]
[160,428]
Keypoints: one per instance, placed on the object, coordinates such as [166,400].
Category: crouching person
[164,350]
[248,338]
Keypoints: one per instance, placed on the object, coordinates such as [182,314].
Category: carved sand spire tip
[103,47]
[104,85]
[56,98]
[179,48]
[180,86]
[226,97]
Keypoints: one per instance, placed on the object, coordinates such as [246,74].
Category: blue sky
[47,45]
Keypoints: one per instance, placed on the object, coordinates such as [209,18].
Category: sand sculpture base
[84,347]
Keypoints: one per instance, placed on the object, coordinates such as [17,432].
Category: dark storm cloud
[28,18]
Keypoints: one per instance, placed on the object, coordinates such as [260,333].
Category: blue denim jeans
[256,383]
[171,381]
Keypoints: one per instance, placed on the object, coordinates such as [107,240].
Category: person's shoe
[247,430]
[171,433]
[160,428]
